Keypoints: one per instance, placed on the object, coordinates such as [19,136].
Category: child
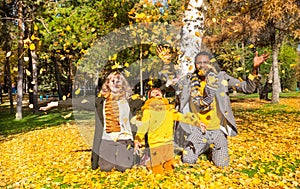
[158,120]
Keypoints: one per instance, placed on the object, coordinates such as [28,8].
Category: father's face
[202,64]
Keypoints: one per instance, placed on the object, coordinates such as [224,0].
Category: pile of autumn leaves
[265,154]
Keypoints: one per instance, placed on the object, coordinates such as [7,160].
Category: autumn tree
[262,22]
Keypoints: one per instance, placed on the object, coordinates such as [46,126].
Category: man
[206,92]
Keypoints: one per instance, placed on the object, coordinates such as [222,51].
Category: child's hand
[137,146]
[164,54]
[202,127]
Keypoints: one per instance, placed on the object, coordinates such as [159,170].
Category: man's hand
[258,60]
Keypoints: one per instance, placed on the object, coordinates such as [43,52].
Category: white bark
[276,79]
[191,36]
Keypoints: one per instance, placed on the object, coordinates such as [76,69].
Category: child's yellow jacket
[158,120]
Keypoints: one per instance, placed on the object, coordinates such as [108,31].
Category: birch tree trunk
[20,61]
[276,79]
[35,81]
[191,36]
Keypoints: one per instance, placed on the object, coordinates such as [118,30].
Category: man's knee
[220,156]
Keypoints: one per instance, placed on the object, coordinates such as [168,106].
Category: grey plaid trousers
[198,143]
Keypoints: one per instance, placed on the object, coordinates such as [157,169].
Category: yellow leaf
[8,54]
[77,92]
[32,47]
[68,28]
[115,15]
[126,65]
[150,83]
[214,20]
[212,60]
[127,73]
[229,20]
[135,96]
[64,97]
[84,101]
[30,90]
[67,116]
[41,70]
[239,69]
[15,69]
[224,82]
[197,33]
[28,72]
[35,27]
[251,46]
[32,37]
[114,57]
[26,59]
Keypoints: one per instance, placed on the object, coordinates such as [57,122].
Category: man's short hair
[203,53]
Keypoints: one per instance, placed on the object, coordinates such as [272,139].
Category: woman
[113,139]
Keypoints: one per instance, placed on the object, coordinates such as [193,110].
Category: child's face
[155,94]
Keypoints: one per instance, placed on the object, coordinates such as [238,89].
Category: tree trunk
[35,81]
[191,36]
[190,46]
[57,77]
[276,79]
[20,62]
[263,93]
[9,85]
[30,78]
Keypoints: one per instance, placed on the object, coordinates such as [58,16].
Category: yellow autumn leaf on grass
[64,97]
[115,15]
[251,46]
[262,155]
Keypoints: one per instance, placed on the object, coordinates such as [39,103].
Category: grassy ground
[9,125]
[265,154]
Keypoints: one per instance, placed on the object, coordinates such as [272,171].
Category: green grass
[9,125]
[291,94]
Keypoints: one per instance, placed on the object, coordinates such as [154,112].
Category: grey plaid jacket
[225,82]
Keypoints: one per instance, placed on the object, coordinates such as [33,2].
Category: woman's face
[115,84]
